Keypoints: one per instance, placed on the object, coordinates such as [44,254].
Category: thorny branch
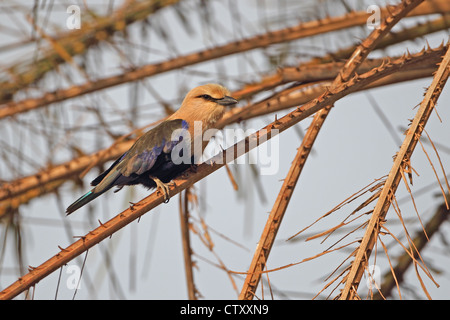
[187,250]
[279,208]
[77,42]
[203,170]
[402,158]
[282,101]
[396,275]
[347,71]
[310,84]
[302,30]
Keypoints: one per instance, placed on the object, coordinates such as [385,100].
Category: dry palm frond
[291,99]
[298,63]
[273,37]
[279,208]
[395,175]
[77,42]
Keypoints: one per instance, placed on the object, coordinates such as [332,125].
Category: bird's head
[206,103]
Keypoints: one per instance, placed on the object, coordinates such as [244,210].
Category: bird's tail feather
[86,198]
[106,183]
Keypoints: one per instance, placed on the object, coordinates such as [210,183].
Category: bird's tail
[101,187]
[86,198]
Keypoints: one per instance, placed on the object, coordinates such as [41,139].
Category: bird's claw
[118,189]
[163,188]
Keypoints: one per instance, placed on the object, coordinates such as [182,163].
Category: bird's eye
[206,97]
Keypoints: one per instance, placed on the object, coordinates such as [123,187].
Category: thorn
[423,50]
[62,249]
[408,54]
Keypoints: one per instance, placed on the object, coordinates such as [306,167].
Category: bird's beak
[227,101]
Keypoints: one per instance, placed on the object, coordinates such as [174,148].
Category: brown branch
[62,171]
[145,205]
[279,208]
[348,70]
[187,252]
[391,72]
[358,56]
[411,66]
[13,203]
[395,175]
[392,38]
[323,68]
[76,42]
[420,241]
[187,180]
[370,42]
[302,30]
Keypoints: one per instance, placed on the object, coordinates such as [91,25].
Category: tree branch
[77,42]
[420,241]
[302,30]
[189,178]
[401,160]
[279,208]
[391,71]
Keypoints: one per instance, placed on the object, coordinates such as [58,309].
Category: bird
[150,161]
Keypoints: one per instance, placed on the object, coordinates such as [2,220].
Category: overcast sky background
[353,149]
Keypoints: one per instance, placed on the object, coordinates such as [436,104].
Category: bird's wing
[140,158]
[143,154]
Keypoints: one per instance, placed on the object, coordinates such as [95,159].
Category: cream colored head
[205,103]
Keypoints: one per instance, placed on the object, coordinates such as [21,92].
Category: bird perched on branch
[154,159]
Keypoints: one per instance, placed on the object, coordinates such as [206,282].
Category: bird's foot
[163,188]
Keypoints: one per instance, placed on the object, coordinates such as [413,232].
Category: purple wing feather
[140,158]
[143,154]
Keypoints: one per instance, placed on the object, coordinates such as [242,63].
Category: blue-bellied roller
[150,160]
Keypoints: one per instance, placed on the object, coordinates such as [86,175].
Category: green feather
[86,198]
